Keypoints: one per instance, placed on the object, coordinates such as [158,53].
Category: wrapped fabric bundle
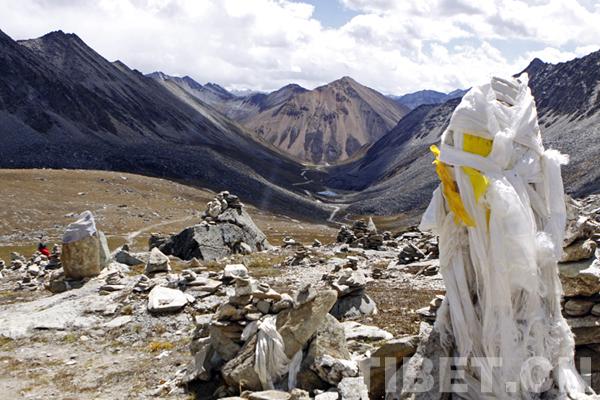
[500,216]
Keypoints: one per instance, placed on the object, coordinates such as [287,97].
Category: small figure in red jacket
[42,248]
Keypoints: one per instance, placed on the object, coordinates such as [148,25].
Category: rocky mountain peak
[218,90]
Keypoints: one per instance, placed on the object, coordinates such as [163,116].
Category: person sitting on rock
[43,248]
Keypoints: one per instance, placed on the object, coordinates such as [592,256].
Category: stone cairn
[226,228]
[364,235]
[226,344]
[352,301]
[219,204]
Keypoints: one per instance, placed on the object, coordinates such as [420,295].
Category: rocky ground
[179,312]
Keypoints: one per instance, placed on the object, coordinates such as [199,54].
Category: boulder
[125,257]
[354,305]
[385,361]
[84,249]
[165,300]
[580,279]
[217,240]
[329,340]
[297,325]
[157,262]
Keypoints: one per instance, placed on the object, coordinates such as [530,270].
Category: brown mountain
[330,123]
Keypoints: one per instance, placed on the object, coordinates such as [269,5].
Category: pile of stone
[32,272]
[416,246]
[301,257]
[352,301]
[226,229]
[581,308]
[362,234]
[225,343]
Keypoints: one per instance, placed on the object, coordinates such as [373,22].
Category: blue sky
[331,13]
[394,46]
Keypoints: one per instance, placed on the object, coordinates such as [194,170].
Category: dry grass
[397,307]
[38,201]
[155,347]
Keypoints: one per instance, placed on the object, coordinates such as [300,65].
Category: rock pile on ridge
[226,229]
[362,234]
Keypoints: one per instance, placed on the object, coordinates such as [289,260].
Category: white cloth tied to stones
[503,291]
[270,360]
[84,227]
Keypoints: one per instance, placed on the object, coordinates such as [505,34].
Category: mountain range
[326,125]
[416,99]
[62,105]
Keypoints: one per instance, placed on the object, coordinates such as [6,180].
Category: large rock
[84,250]
[580,279]
[428,361]
[385,361]
[204,361]
[165,300]
[354,305]
[157,262]
[329,340]
[214,241]
[295,325]
[582,249]
[123,256]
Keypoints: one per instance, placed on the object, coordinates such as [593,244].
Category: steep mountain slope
[396,175]
[238,108]
[64,106]
[330,123]
[414,100]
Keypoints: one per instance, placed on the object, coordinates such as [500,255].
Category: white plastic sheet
[85,226]
[503,290]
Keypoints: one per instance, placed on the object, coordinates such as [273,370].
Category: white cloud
[394,46]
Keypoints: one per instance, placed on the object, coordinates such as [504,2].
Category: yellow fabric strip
[482,147]
[450,190]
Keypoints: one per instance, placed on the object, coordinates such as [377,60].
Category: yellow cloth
[482,147]
[475,145]
[450,190]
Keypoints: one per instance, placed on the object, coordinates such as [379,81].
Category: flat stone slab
[356,331]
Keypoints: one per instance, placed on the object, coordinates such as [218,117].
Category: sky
[393,46]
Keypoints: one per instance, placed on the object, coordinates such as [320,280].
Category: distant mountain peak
[534,66]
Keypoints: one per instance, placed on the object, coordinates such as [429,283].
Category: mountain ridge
[115,118]
[329,123]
